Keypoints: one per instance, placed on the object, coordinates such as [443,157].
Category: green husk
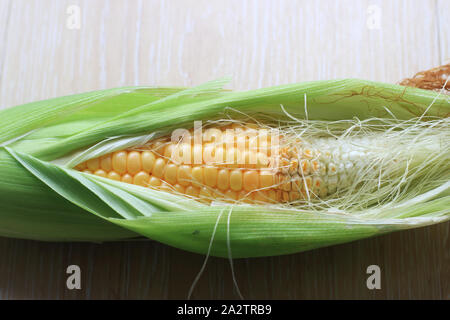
[42,198]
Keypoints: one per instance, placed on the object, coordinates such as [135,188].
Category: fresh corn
[246,163]
[273,186]
[240,163]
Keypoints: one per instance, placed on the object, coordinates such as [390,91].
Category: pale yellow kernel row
[155,166]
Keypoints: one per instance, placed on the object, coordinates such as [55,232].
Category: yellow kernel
[182,154]
[293,167]
[158,147]
[148,161]
[179,188]
[113,175]
[169,150]
[308,153]
[228,138]
[192,191]
[210,175]
[284,164]
[314,166]
[250,159]
[127,178]
[205,193]
[266,179]
[261,196]
[304,167]
[241,140]
[251,180]
[252,140]
[317,184]
[332,169]
[263,140]
[159,167]
[93,164]
[170,174]
[141,179]
[82,166]
[223,179]
[212,135]
[119,162]
[278,195]
[213,154]
[87,171]
[294,195]
[165,187]
[262,160]
[100,173]
[307,183]
[272,195]
[154,182]
[197,176]
[184,175]
[236,180]
[296,185]
[106,163]
[197,153]
[219,156]
[231,195]
[233,158]
[245,196]
[134,162]
[286,186]
[208,153]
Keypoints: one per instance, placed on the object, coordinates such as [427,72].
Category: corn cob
[239,162]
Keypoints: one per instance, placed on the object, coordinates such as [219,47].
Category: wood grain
[443,7]
[259,43]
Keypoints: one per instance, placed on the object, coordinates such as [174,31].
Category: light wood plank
[443,9]
[5,10]
[259,43]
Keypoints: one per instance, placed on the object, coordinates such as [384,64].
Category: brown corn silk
[432,79]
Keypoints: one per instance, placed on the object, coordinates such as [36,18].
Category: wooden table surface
[46,51]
